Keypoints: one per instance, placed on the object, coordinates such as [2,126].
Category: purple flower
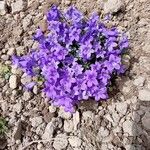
[91,77]
[30,85]
[77,58]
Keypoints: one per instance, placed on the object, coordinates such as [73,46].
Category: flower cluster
[77,57]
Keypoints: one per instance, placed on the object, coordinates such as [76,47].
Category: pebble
[60,142]
[63,114]
[18,6]
[128,127]
[17,108]
[144,95]
[75,141]
[13,81]
[139,81]
[50,128]
[52,109]
[88,115]
[17,131]
[121,108]
[68,126]
[76,120]
[3,9]
[27,95]
[11,51]
[146,121]
[26,22]
[36,121]
[113,6]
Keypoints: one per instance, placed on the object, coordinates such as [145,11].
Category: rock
[51,127]
[68,126]
[144,95]
[76,120]
[35,89]
[103,132]
[146,121]
[113,6]
[13,81]
[47,116]
[109,118]
[88,115]
[75,141]
[17,108]
[63,114]
[52,109]
[17,31]
[11,51]
[3,143]
[36,121]
[139,81]
[17,131]
[43,25]
[25,79]
[18,6]
[121,108]
[60,142]
[27,95]
[128,127]
[26,22]
[3,9]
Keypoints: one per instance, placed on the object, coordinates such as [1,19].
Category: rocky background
[121,123]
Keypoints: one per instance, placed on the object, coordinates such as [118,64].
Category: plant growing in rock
[4,71]
[3,127]
[77,57]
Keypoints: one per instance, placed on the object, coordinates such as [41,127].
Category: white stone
[146,121]
[139,81]
[13,81]
[88,115]
[103,132]
[60,142]
[74,141]
[26,22]
[36,121]
[11,51]
[17,6]
[49,130]
[52,109]
[121,108]
[128,127]
[113,6]
[144,95]
[109,118]
[68,126]
[27,95]
[76,120]
[63,114]
[2,8]
[17,107]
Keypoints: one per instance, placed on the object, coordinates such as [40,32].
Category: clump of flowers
[77,57]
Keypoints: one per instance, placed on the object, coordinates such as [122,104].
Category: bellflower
[77,57]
